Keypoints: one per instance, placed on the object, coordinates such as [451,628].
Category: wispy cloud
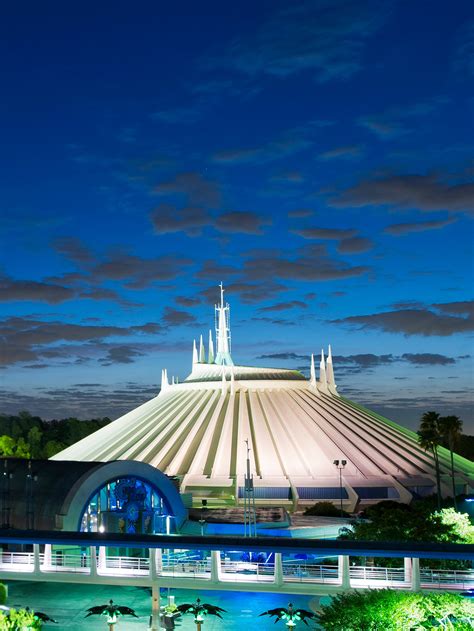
[326,39]
[398,229]
[425,322]
[423,192]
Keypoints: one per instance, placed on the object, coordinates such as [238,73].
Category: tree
[430,438]
[396,611]
[7,446]
[112,611]
[451,432]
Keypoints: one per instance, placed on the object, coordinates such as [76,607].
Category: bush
[396,611]
[325,509]
[3,594]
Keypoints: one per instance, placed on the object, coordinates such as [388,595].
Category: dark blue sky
[315,156]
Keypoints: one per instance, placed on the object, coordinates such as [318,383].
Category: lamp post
[340,464]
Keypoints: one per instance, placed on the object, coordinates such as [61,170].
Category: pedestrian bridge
[197,570]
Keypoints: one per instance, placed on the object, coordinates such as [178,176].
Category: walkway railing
[212,568]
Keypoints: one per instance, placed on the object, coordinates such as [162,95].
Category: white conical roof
[296,429]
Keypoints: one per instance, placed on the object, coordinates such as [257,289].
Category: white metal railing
[246,570]
[183,566]
[186,567]
[440,578]
[303,572]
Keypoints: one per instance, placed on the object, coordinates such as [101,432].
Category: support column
[93,571]
[47,563]
[278,574]
[36,558]
[343,571]
[215,565]
[102,560]
[152,561]
[415,575]
[407,571]
[155,607]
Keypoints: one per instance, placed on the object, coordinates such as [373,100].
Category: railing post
[343,571]
[159,560]
[278,573]
[47,556]
[93,571]
[415,575]
[152,557]
[407,570]
[215,565]
[102,560]
[36,558]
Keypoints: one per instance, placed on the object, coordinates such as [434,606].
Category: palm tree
[451,430]
[112,612]
[430,438]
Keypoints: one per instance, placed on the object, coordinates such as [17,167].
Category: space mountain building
[297,429]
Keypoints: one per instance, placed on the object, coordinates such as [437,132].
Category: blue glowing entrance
[127,505]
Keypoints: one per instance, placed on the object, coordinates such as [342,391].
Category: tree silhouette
[430,438]
[451,431]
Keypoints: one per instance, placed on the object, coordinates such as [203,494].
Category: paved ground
[67,604]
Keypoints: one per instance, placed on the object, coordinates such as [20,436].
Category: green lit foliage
[19,619]
[27,436]
[462,530]
[389,521]
[325,509]
[3,594]
[396,611]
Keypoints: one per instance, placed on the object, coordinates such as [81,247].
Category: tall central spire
[223,357]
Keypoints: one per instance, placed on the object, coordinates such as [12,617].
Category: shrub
[325,509]
[396,611]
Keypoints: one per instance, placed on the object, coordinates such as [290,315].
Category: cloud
[286,146]
[184,301]
[411,322]
[29,290]
[424,192]
[191,220]
[464,54]
[244,222]
[356,245]
[284,306]
[398,229]
[316,268]
[464,307]
[213,270]
[174,317]
[73,249]
[300,212]
[362,360]
[198,190]
[348,151]
[138,272]
[284,356]
[292,177]
[325,233]
[120,355]
[327,39]
[396,121]
[428,359]
[249,293]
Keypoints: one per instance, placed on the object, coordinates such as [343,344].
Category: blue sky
[316,157]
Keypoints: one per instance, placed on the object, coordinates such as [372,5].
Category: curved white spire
[323,383]
[223,332]
[195,353]
[202,351]
[210,358]
[330,373]
[312,372]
